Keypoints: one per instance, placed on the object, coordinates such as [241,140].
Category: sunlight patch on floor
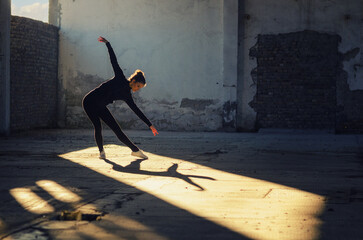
[252,207]
[30,201]
[58,192]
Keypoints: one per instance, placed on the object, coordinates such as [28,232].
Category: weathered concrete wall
[33,73]
[180,45]
[258,17]
[195,54]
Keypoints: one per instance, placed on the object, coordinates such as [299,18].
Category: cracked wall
[178,44]
[301,83]
[184,115]
[261,18]
[189,51]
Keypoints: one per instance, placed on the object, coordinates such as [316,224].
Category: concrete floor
[267,185]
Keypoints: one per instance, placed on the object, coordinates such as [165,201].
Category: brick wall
[296,78]
[33,74]
[349,115]
[301,84]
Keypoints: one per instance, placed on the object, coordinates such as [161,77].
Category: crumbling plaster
[180,45]
[190,50]
[343,18]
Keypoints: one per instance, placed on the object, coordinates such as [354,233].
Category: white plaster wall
[178,44]
[284,16]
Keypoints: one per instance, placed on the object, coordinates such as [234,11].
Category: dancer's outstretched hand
[155,132]
[102,39]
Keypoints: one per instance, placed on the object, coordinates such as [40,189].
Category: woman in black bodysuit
[117,88]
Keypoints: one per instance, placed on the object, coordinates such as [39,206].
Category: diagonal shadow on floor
[25,161]
[309,163]
[325,164]
[134,167]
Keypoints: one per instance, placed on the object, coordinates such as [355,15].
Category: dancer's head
[137,80]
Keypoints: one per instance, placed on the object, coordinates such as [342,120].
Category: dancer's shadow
[134,167]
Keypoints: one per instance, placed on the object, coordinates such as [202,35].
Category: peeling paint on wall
[195,115]
[188,115]
[229,114]
[343,18]
[196,104]
[306,86]
[349,113]
[351,54]
[179,45]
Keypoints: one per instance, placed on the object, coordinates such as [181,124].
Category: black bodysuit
[95,102]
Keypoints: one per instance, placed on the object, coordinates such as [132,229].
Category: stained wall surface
[278,19]
[178,44]
[196,55]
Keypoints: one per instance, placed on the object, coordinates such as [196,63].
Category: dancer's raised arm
[115,66]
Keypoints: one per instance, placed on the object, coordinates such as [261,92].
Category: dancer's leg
[107,117]
[98,133]
[93,116]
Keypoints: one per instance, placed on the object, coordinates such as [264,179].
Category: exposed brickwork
[33,73]
[301,84]
[353,121]
[349,117]
[296,80]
